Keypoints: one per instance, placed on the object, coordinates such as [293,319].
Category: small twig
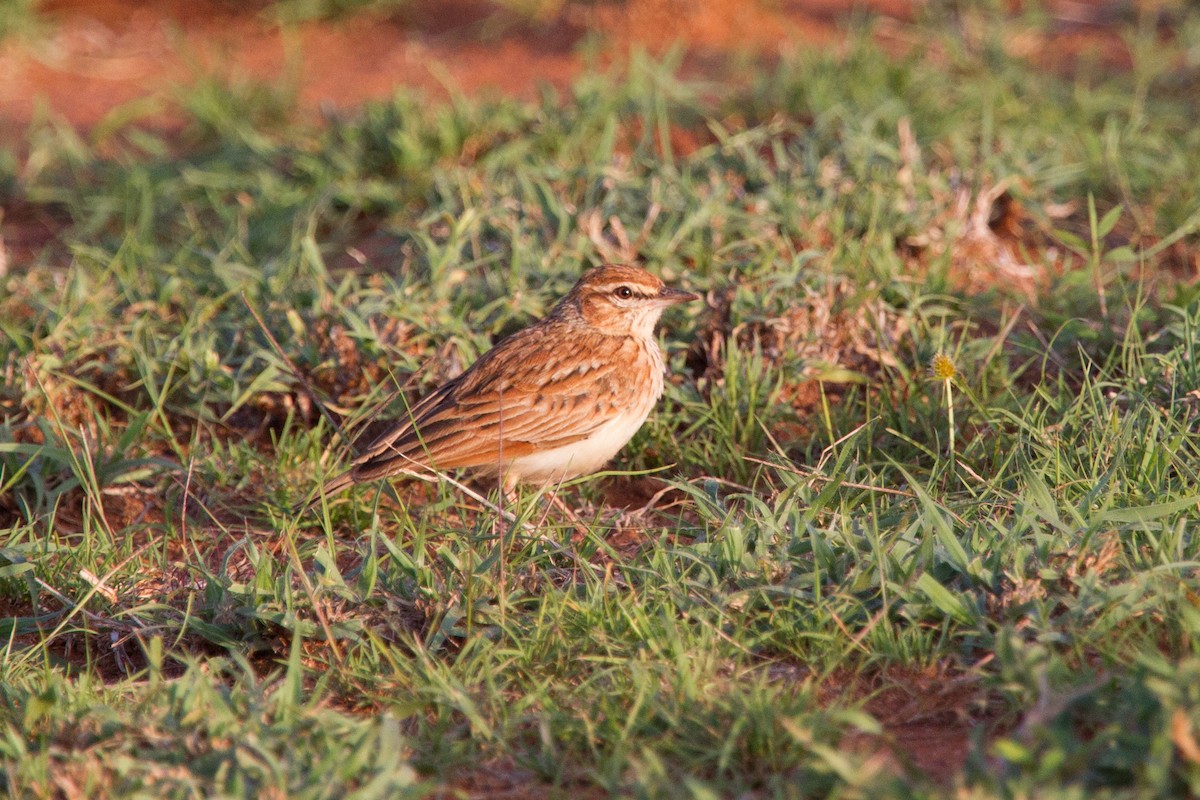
[967,469]
[829,451]
[816,477]
[187,493]
[650,504]
[99,585]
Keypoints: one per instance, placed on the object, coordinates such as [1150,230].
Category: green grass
[822,582]
[19,18]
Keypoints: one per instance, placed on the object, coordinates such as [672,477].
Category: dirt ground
[95,55]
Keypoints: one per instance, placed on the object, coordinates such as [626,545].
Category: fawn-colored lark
[548,403]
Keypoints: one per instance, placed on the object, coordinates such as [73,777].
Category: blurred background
[80,59]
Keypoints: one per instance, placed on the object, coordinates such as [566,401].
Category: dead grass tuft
[989,243]
[1069,568]
[826,338]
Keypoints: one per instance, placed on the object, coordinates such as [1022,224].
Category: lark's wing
[526,394]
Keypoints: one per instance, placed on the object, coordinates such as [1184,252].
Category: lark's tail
[328,490]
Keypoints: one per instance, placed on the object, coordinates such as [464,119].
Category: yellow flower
[942,367]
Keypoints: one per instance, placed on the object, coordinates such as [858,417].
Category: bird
[551,402]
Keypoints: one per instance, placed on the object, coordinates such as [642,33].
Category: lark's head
[620,300]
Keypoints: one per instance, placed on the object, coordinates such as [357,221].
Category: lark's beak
[669,296]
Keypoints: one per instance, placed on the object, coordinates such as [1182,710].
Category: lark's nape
[548,403]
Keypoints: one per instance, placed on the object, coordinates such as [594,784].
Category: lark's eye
[623,292]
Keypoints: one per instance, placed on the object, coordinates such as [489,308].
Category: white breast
[584,456]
